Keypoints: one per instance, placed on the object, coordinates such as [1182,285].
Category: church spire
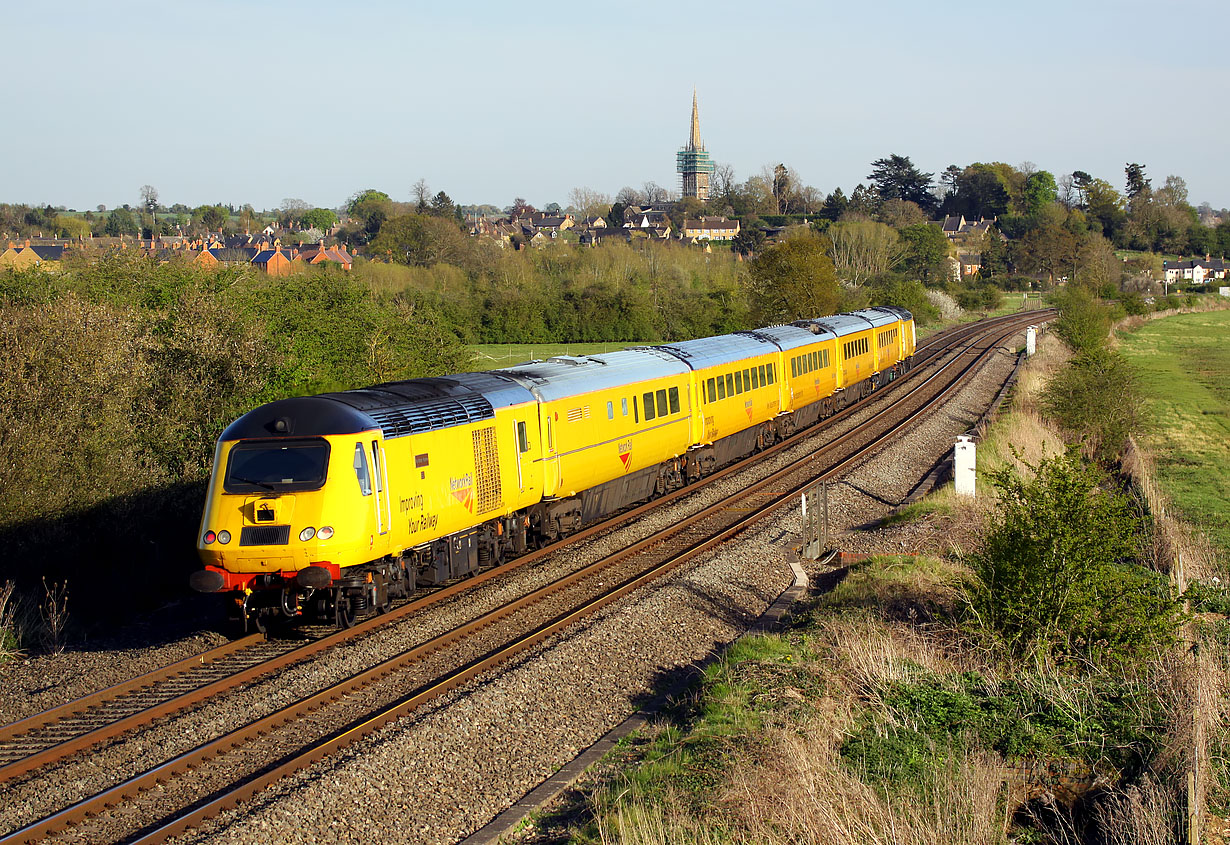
[694,143]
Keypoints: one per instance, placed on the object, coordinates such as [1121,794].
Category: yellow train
[330,506]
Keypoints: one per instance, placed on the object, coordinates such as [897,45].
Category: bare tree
[722,181]
[654,193]
[149,198]
[588,202]
[863,249]
[291,209]
[421,194]
[629,196]
[1027,168]
[1067,191]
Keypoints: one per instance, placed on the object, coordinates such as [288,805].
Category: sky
[255,102]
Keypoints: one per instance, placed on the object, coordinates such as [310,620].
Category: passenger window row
[858,347]
[660,403]
[888,338]
[739,381]
[801,365]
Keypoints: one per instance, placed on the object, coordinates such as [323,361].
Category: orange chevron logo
[463,490]
[625,454]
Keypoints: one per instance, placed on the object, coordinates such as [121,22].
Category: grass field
[1184,363]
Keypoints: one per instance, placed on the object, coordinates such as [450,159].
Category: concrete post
[963,461]
[1031,340]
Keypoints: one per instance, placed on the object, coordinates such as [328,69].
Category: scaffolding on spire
[692,162]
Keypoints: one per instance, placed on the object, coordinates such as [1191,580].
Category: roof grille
[431,414]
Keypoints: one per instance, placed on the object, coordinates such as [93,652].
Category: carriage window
[794,367]
[610,410]
[721,384]
[747,379]
[647,403]
[360,470]
[769,370]
[523,440]
[711,390]
[730,385]
[624,403]
[636,416]
[738,381]
[674,400]
[661,396]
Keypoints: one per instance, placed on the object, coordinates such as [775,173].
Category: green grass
[1184,364]
[490,356]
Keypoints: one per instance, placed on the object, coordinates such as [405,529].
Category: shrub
[1055,576]
[1095,398]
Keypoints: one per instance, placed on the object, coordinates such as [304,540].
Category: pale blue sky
[257,101]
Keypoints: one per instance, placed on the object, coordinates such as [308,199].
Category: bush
[1083,323]
[1055,576]
[1095,398]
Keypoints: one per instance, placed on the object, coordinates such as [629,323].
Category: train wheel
[343,614]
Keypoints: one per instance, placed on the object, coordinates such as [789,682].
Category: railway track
[331,725]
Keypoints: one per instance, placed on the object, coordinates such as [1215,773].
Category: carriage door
[380,485]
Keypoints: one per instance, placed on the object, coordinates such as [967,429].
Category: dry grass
[1141,814]
[803,793]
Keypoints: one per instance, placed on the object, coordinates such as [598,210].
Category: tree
[369,209]
[292,210]
[897,177]
[792,280]
[318,218]
[981,192]
[1040,192]
[120,222]
[1137,184]
[654,193]
[421,194]
[862,249]
[1048,249]
[749,241]
[442,206]
[149,198]
[615,217]
[1105,205]
[900,213]
[588,202]
[834,206]
[629,196]
[420,239]
[925,253]
[210,217]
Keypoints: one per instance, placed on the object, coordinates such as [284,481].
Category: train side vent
[486,471]
[264,535]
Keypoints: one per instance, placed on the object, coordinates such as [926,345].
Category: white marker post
[1031,341]
[963,462]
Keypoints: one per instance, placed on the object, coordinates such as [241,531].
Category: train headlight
[325,532]
[224,537]
[209,538]
[307,534]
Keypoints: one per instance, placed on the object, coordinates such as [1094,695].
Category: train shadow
[124,564]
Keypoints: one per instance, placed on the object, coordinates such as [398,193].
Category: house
[970,263]
[18,257]
[554,223]
[958,229]
[320,254]
[710,229]
[272,261]
[1196,270]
